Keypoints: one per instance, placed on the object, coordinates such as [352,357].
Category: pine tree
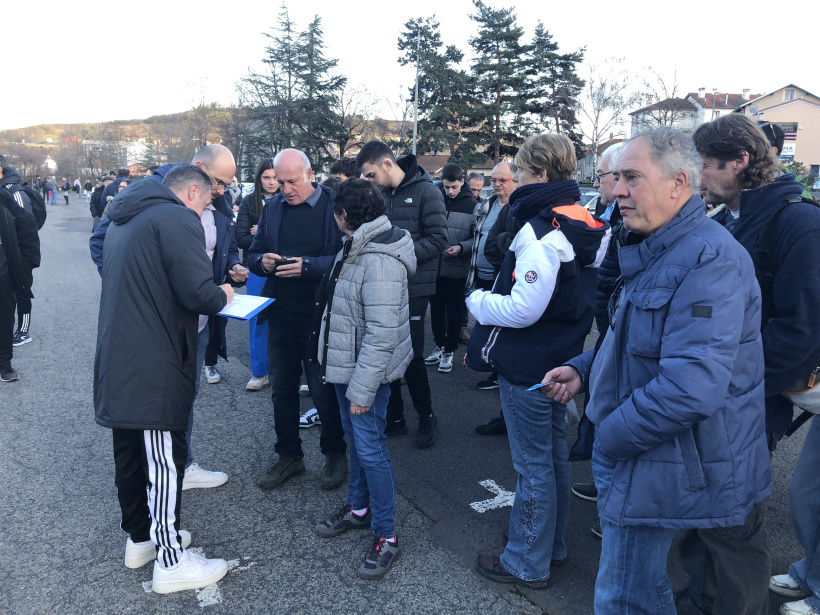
[553,86]
[444,89]
[500,81]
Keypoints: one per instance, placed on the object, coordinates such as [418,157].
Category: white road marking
[502,498]
[208,596]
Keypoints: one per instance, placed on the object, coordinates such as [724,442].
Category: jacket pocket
[691,460]
[356,344]
[648,311]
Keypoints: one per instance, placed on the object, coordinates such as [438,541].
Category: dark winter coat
[417,206]
[20,249]
[789,323]
[480,212]
[156,281]
[245,218]
[461,223]
[97,205]
[500,238]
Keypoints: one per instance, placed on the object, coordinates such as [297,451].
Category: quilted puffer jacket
[364,336]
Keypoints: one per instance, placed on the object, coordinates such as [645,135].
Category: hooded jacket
[156,280]
[365,328]
[19,243]
[789,323]
[683,414]
[461,222]
[541,306]
[417,206]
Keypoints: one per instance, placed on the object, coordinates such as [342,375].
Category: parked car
[589,198]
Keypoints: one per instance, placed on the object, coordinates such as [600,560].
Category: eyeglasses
[499,180]
[215,181]
[600,175]
[614,303]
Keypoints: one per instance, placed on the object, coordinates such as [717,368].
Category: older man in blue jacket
[676,389]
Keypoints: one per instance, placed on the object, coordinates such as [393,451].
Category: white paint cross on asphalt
[502,498]
[208,596]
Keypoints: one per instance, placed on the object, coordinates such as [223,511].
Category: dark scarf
[526,201]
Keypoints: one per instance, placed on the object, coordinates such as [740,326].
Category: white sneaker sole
[25,341]
[210,484]
[138,561]
[445,370]
[785,590]
[169,587]
[255,387]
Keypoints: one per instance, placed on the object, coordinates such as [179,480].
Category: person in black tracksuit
[97,205]
[156,280]
[454,267]
[417,206]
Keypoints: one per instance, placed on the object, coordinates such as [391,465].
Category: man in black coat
[417,206]
[97,205]
[19,254]
[156,280]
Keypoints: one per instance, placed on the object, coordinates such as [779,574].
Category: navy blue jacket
[267,240]
[541,306]
[686,419]
[791,333]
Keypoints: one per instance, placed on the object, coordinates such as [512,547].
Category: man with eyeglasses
[220,245]
[676,390]
[492,241]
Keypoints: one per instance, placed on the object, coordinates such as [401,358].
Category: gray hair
[179,178]
[611,153]
[674,152]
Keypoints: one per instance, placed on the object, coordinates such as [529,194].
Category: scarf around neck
[526,201]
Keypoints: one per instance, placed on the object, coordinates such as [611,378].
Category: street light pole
[416,104]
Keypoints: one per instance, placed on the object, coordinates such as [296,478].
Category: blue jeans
[632,576]
[371,473]
[537,430]
[804,505]
[201,344]
[258,335]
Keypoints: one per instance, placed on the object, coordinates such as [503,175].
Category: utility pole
[416,105]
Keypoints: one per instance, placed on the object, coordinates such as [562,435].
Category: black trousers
[416,374]
[445,312]
[729,567]
[23,313]
[149,468]
[288,353]
[7,303]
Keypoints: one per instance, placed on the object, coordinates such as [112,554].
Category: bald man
[296,241]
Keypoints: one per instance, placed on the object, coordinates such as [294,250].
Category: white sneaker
[193,572]
[200,478]
[309,419]
[304,389]
[784,585]
[257,383]
[446,363]
[212,374]
[137,554]
[434,357]
[801,607]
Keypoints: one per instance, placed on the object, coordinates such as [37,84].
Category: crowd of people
[698,269]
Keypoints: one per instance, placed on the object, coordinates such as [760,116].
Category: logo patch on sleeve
[530,276]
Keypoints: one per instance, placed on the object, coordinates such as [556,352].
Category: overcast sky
[92,61]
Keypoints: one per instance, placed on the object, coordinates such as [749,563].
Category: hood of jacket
[413,173]
[584,231]
[757,200]
[526,201]
[381,237]
[139,197]
[463,202]
[10,176]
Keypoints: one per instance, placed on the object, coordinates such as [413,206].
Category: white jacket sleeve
[536,270]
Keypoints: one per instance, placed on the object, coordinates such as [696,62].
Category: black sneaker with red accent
[344,520]
[489,566]
[379,558]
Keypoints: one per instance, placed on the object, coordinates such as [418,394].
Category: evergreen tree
[500,81]
[444,89]
[553,86]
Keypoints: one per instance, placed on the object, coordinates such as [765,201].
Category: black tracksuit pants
[150,466]
[416,374]
[7,303]
[445,312]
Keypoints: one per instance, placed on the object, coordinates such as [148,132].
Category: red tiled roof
[673,104]
[721,101]
[433,164]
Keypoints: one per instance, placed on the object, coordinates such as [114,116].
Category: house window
[788,95]
[815,169]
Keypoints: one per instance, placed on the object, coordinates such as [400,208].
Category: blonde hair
[549,153]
